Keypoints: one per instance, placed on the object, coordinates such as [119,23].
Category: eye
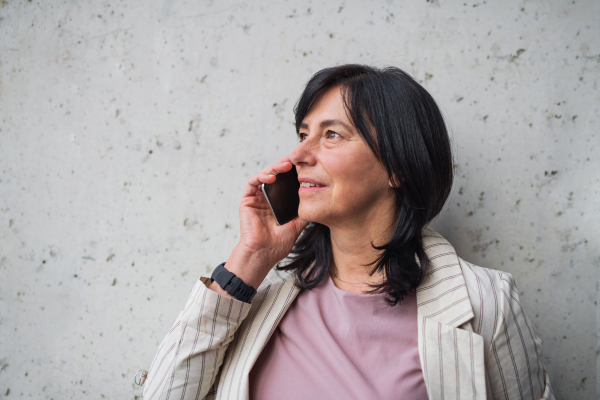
[330,134]
[302,136]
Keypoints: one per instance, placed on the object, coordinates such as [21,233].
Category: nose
[303,154]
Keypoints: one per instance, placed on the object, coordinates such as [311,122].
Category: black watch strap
[232,284]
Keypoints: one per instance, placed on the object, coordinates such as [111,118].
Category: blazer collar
[443,293]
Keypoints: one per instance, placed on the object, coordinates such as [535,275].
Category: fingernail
[273,174]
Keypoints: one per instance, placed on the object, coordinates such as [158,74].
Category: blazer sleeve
[189,357]
[513,360]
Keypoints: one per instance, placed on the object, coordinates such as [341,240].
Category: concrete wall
[127,131]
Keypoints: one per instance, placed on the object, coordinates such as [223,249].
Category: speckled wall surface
[127,131]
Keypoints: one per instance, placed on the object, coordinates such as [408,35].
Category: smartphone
[282,196]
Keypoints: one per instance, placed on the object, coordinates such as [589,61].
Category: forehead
[330,105]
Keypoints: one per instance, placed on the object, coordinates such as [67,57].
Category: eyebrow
[328,122]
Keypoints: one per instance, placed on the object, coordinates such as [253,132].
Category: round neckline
[348,293]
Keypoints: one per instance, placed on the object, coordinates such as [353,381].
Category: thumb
[299,225]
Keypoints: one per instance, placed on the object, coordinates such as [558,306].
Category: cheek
[357,182]
[356,177]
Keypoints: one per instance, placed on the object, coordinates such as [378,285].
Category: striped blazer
[475,341]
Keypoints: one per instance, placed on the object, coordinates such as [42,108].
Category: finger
[299,225]
[249,190]
[303,223]
[265,176]
[261,178]
[278,168]
[256,202]
[254,182]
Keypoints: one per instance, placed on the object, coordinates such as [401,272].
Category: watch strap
[232,284]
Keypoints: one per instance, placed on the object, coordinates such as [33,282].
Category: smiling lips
[307,185]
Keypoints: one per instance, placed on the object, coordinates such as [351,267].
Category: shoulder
[486,278]
[492,294]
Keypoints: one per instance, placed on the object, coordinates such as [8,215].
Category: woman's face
[353,186]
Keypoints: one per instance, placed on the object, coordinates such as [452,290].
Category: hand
[263,242]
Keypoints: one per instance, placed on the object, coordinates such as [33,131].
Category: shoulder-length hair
[413,145]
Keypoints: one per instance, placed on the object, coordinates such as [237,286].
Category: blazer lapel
[276,294]
[452,359]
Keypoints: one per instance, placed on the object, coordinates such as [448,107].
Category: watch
[232,284]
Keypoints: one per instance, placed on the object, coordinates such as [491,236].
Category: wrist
[250,266]
[215,287]
[232,284]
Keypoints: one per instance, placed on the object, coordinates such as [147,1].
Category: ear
[396,181]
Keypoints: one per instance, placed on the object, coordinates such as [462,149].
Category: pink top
[334,344]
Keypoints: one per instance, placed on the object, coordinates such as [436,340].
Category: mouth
[310,185]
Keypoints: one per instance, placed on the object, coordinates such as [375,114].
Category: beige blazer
[475,341]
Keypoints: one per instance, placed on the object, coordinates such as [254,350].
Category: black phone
[282,195]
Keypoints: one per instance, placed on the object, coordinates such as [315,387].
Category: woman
[368,302]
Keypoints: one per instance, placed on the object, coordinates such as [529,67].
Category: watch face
[223,277]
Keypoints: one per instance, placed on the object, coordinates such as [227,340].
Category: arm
[188,360]
[514,365]
[189,357]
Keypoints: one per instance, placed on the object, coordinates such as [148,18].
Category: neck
[353,252]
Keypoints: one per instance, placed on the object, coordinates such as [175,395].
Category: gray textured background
[127,131]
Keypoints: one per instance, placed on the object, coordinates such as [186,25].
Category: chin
[309,215]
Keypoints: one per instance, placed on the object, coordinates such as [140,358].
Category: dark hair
[413,145]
